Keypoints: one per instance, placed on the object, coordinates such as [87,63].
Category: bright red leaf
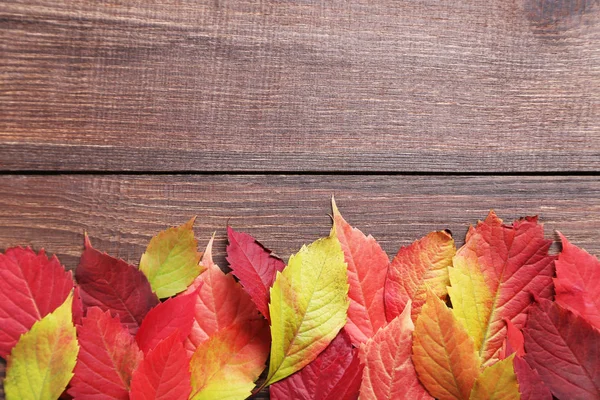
[514,342]
[367,271]
[31,286]
[254,265]
[334,375]
[389,371]
[175,314]
[107,357]
[220,303]
[565,351]
[577,282]
[164,374]
[114,285]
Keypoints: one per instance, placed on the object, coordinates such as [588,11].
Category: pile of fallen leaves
[499,318]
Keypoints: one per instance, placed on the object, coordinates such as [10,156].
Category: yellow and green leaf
[309,302]
[171,261]
[497,382]
[41,364]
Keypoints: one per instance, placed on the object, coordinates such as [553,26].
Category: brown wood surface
[239,85]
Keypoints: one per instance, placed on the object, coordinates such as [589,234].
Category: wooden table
[123,117]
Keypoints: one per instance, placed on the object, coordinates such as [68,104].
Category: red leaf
[107,358]
[114,285]
[514,341]
[77,309]
[577,282]
[175,314]
[334,375]
[254,265]
[565,351]
[389,371]
[164,374]
[221,302]
[367,271]
[531,386]
[31,287]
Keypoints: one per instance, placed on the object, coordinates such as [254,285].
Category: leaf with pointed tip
[497,382]
[309,300]
[514,263]
[443,353]
[422,264]
[514,341]
[31,287]
[226,365]
[175,314]
[164,373]
[220,303]
[115,286]
[389,371]
[254,265]
[334,375]
[367,271]
[531,386]
[41,364]
[171,260]
[564,349]
[107,358]
[577,282]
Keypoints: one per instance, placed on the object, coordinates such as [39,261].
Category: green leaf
[309,301]
[171,261]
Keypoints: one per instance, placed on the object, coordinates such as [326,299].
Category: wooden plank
[228,85]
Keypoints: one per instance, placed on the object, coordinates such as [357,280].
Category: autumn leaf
[497,382]
[115,286]
[226,365]
[514,342]
[334,375]
[255,267]
[577,282]
[164,373]
[564,349]
[175,314]
[171,260]
[31,287]
[41,364]
[367,271]
[422,264]
[389,371]
[309,300]
[494,276]
[443,353]
[107,359]
[220,303]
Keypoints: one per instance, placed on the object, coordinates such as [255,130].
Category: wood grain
[303,85]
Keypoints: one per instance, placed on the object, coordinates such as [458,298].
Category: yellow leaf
[497,382]
[443,353]
[471,298]
[171,260]
[309,301]
[41,364]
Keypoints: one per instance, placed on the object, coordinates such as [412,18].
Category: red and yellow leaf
[171,260]
[443,353]
[31,287]
[577,282]
[367,271]
[174,315]
[309,301]
[512,261]
[115,286]
[255,267]
[41,364]
[107,358]
[422,264]
[220,303]
[164,373]
[389,372]
[565,351]
[334,375]
[497,382]
[226,365]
